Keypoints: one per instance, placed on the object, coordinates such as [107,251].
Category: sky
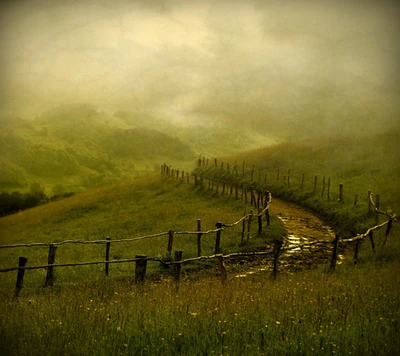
[315,67]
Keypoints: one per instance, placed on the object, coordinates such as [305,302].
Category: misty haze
[182,177]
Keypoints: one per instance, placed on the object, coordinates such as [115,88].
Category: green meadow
[353,310]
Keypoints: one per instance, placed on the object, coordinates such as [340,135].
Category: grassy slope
[354,311]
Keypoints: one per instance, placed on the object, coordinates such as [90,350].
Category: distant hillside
[359,163]
[78,147]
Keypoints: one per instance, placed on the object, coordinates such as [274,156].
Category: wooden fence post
[243,227]
[377,205]
[371,238]
[170,242]
[329,190]
[334,253]
[249,225]
[222,269]
[218,237]
[277,249]
[259,220]
[50,261]
[108,245]
[355,199]
[387,232]
[369,203]
[358,243]
[140,270]
[20,276]
[341,193]
[199,238]
[315,183]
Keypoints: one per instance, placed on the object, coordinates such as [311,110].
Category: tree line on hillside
[14,202]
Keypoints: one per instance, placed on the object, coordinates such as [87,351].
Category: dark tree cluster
[14,202]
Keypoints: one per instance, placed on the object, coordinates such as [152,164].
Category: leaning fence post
[277,249]
[387,232]
[371,238]
[259,220]
[358,242]
[20,276]
[341,193]
[199,238]
[315,183]
[50,261]
[249,225]
[328,194]
[222,269]
[108,245]
[243,227]
[335,253]
[218,237]
[140,271]
[377,204]
[170,242]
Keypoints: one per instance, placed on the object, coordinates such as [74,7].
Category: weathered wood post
[20,276]
[267,217]
[259,221]
[341,193]
[334,253]
[369,203]
[315,183]
[377,205]
[218,237]
[328,193]
[243,227]
[358,243]
[388,229]
[222,269]
[215,162]
[170,242]
[371,238]
[277,249]
[140,270]
[199,238]
[108,245]
[355,199]
[249,225]
[50,261]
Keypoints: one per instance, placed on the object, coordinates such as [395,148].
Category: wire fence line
[141,260]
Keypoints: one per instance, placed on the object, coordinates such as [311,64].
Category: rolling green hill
[77,147]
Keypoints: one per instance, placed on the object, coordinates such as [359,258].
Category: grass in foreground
[353,311]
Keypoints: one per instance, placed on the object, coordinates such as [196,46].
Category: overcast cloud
[281,66]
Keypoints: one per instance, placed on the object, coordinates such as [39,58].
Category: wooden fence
[258,198]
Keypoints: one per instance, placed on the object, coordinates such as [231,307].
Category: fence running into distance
[259,198]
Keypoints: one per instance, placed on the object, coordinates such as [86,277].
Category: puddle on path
[301,227]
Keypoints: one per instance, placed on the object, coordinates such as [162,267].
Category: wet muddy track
[301,226]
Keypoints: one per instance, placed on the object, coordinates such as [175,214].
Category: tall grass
[353,311]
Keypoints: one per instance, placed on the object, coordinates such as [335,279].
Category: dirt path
[301,226]
[300,222]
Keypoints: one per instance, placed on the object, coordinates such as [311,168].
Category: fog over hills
[287,69]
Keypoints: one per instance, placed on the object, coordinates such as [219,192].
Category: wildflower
[118,328]
[278,322]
